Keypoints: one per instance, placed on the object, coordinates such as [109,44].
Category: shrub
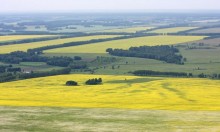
[94,81]
[71,83]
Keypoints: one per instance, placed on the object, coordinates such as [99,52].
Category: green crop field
[172,30]
[75,119]
[26,46]
[126,43]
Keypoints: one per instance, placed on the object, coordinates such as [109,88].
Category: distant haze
[105,5]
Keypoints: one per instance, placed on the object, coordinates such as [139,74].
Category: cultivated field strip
[172,30]
[126,43]
[21,37]
[127,92]
[26,46]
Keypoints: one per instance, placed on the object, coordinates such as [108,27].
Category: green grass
[208,60]
[74,119]
[36,66]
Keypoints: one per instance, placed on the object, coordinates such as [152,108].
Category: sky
[105,5]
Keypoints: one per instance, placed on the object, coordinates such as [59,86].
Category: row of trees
[20,56]
[28,40]
[94,81]
[44,74]
[157,73]
[173,74]
[7,77]
[213,76]
[9,68]
[165,53]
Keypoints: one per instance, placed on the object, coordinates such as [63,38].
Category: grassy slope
[116,92]
[75,119]
[208,60]
[25,46]
[172,30]
[126,43]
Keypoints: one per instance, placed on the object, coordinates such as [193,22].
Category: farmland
[128,92]
[20,37]
[78,119]
[172,30]
[66,83]
[26,46]
[128,30]
[126,43]
[207,30]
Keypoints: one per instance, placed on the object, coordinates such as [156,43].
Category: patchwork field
[126,43]
[172,30]
[20,37]
[26,46]
[40,119]
[129,30]
[128,92]
[208,30]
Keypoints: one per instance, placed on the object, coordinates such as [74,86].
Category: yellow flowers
[20,37]
[126,43]
[127,92]
[26,46]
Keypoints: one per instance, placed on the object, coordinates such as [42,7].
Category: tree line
[20,56]
[158,73]
[44,74]
[165,53]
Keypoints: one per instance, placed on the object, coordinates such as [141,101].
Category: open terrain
[172,30]
[20,37]
[129,30]
[33,91]
[128,92]
[126,43]
[26,46]
[207,30]
[21,119]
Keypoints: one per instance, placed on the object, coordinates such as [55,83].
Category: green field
[26,46]
[126,43]
[75,119]
[172,30]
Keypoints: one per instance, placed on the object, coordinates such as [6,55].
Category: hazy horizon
[18,6]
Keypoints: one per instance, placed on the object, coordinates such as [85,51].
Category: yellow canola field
[172,30]
[126,43]
[128,92]
[20,37]
[26,46]
[129,30]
